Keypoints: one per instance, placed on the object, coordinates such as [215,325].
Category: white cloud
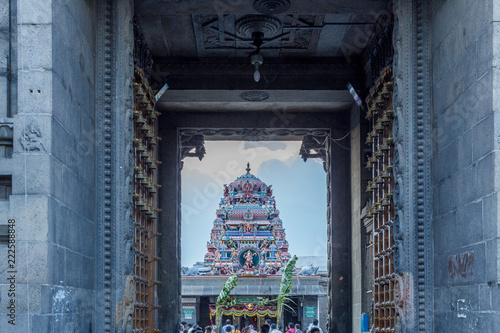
[217,164]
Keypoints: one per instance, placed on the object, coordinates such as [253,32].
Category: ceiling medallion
[267,25]
[255,96]
[271,6]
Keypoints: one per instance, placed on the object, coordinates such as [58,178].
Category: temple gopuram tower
[248,239]
[247,236]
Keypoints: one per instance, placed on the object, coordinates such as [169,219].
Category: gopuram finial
[248,168]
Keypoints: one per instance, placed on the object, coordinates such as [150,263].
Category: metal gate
[380,115]
[145,185]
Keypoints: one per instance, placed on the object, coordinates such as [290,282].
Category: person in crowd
[274,329]
[315,323]
[229,328]
[228,324]
[181,328]
[315,329]
[297,328]
[251,329]
[290,328]
[236,328]
[208,329]
[189,328]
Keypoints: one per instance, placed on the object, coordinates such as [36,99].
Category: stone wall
[72,205]
[53,168]
[466,127]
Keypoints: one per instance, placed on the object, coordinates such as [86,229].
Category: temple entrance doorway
[184,133]
[237,203]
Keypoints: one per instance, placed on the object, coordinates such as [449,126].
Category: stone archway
[337,166]
[412,138]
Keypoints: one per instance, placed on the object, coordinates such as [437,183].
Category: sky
[299,188]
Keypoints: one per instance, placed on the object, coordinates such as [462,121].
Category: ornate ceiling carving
[248,24]
[271,6]
[231,34]
[255,96]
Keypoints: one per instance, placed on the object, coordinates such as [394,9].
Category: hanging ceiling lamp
[256,28]
[255,57]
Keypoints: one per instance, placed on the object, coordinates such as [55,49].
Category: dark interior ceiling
[205,45]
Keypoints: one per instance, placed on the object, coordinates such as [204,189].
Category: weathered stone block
[492,269]
[469,225]
[484,49]
[86,161]
[495,297]
[465,192]
[444,227]
[3,95]
[73,268]
[64,146]
[57,273]
[88,277]
[485,297]
[496,131]
[34,92]
[32,178]
[441,270]
[4,14]
[447,55]
[445,162]
[483,140]
[495,29]
[482,12]
[447,127]
[22,324]
[4,50]
[32,221]
[447,196]
[465,150]
[496,89]
[475,104]
[66,236]
[71,191]
[36,47]
[446,15]
[485,176]
[36,261]
[34,12]
[82,13]
[42,323]
[491,210]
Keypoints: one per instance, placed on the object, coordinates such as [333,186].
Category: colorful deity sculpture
[247,235]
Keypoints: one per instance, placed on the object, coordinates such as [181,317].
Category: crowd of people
[267,327]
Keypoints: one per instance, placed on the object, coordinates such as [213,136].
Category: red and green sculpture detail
[247,237]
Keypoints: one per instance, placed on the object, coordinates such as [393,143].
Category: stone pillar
[169,225]
[339,252]
[53,167]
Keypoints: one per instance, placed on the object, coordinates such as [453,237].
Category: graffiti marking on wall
[461,266]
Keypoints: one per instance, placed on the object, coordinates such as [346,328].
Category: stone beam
[255,100]
[296,74]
